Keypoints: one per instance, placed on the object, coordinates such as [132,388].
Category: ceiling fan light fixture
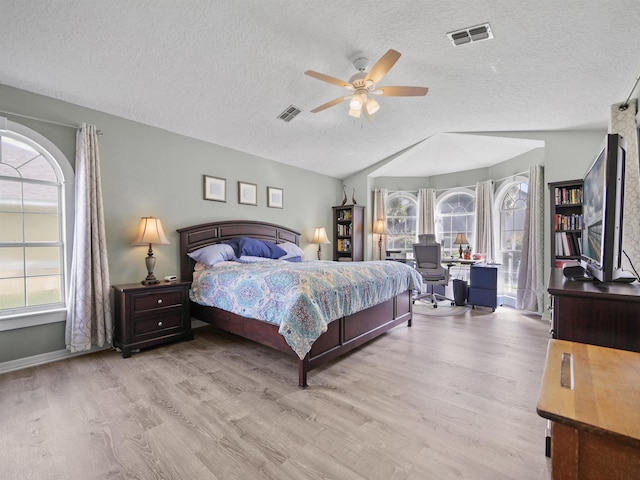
[356,102]
[355,113]
[372,106]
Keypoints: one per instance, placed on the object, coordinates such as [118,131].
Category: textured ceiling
[223,71]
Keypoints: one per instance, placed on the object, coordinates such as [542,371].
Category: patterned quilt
[302,298]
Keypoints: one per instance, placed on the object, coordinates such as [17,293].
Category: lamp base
[150,280]
[150,262]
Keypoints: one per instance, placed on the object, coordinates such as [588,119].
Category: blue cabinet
[483,288]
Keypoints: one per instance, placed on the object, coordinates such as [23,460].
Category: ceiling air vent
[471,34]
[289,113]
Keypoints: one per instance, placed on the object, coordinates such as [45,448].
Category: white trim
[63,166]
[32,319]
[41,359]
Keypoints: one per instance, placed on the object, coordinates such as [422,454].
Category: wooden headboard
[198,236]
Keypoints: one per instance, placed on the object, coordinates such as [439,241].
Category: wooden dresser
[597,313]
[596,423]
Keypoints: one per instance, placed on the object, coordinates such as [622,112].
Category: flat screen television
[603,207]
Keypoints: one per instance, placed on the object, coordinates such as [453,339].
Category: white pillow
[212,254]
[292,250]
[252,259]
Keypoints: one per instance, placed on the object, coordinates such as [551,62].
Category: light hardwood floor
[450,397]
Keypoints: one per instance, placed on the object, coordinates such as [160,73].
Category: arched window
[402,221]
[455,214]
[33,223]
[512,204]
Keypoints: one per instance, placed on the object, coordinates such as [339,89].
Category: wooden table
[596,424]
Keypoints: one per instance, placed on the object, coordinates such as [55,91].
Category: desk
[459,261]
[596,432]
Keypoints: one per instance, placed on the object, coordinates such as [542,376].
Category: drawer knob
[159,324]
[159,301]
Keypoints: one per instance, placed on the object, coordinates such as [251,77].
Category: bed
[341,336]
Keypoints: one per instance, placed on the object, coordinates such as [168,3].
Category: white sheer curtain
[426,211]
[530,282]
[89,312]
[379,213]
[484,220]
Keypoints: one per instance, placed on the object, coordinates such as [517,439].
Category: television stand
[604,314]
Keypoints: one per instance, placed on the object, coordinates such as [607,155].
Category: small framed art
[247,193]
[215,189]
[275,197]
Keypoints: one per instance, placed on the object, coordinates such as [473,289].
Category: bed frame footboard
[348,333]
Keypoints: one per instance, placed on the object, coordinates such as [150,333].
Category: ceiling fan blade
[329,104]
[383,65]
[329,79]
[401,91]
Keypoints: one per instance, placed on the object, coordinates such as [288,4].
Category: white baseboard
[49,357]
[41,359]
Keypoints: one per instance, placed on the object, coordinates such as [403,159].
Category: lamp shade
[320,236]
[150,231]
[372,106]
[460,239]
[380,227]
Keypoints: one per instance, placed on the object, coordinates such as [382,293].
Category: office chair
[427,257]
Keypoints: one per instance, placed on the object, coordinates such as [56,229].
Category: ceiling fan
[363,85]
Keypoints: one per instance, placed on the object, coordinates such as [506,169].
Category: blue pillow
[213,254]
[253,247]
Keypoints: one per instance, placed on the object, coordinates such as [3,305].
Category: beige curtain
[530,273]
[379,213]
[426,211]
[484,220]
[89,320]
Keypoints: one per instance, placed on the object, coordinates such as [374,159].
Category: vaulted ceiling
[224,71]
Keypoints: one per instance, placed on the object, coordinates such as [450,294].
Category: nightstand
[148,315]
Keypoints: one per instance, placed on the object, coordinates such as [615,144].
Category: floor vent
[471,34]
[289,113]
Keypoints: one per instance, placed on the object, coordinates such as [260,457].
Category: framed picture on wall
[275,197]
[215,189]
[247,193]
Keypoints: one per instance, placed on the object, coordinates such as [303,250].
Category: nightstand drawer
[151,301]
[157,323]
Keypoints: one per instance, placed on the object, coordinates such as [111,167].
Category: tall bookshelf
[566,221]
[348,233]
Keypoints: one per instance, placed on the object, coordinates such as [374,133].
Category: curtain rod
[75,127]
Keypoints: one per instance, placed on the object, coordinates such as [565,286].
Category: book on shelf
[345,215]
[568,222]
[568,244]
[568,195]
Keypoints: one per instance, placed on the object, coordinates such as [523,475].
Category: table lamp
[380,227]
[461,238]
[150,231]
[320,237]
